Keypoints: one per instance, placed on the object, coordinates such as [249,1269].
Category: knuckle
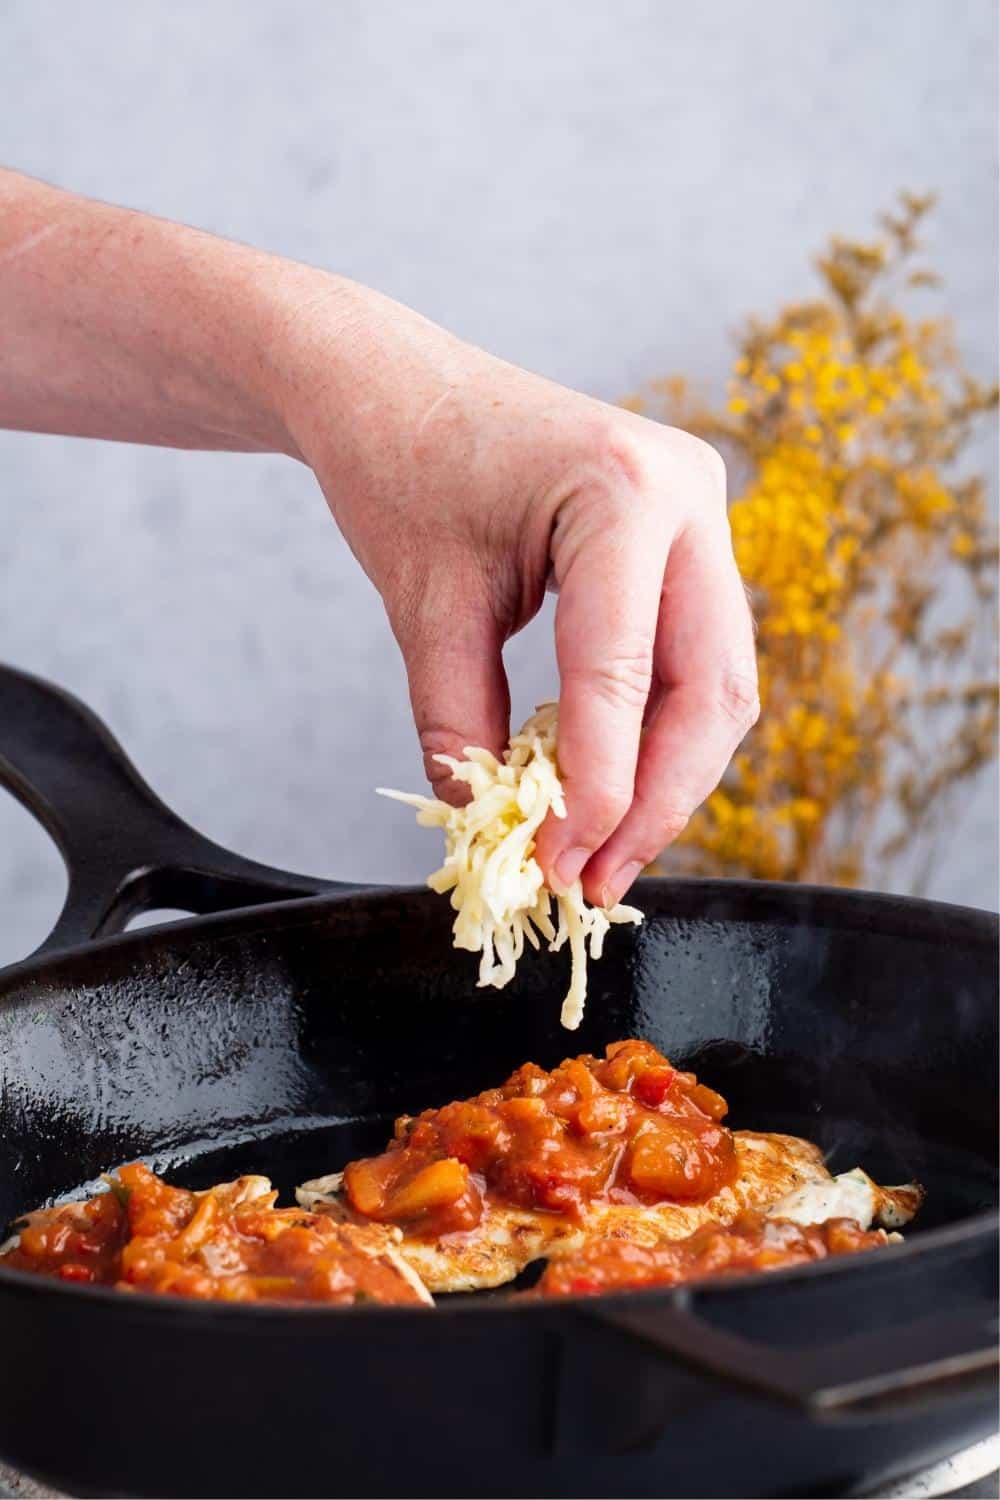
[617,452]
[673,822]
[662,822]
[407,593]
[606,807]
[622,678]
[435,739]
[738,699]
[705,463]
[613,471]
[423,587]
[714,465]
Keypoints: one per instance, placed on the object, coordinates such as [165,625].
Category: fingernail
[613,891]
[567,869]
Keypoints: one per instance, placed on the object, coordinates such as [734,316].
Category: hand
[464,485]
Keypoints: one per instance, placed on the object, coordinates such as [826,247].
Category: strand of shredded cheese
[497,888]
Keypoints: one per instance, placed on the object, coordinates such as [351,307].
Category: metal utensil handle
[125,852]
[928,1357]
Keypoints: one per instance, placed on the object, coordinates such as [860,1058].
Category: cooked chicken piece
[250,1188]
[754,1242]
[508,1238]
[851,1195]
[625,1147]
[228,1243]
[815,1221]
[769,1167]
[385,1246]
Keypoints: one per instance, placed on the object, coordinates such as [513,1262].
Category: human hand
[464,485]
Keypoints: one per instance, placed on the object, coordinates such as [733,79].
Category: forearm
[460,482]
[114,324]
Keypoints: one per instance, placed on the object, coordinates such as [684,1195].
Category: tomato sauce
[625,1128]
[228,1244]
[752,1243]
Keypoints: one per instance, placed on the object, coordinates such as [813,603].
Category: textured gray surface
[598,192]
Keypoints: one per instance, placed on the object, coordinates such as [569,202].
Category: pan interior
[286,1041]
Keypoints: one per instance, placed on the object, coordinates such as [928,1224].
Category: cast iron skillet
[283,1037]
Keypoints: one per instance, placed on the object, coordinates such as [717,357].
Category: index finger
[610,572]
[705,660]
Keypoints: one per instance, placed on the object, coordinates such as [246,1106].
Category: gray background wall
[596,191]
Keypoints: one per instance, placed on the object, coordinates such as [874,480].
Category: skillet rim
[977,924]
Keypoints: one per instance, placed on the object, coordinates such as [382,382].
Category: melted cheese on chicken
[851,1195]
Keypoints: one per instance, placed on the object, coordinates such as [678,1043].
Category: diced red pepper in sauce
[651,1087]
[752,1243]
[625,1128]
[73,1271]
[228,1244]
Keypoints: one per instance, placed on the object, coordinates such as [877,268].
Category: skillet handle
[928,1357]
[936,1357]
[125,852]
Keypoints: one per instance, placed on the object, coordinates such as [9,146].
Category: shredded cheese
[496,884]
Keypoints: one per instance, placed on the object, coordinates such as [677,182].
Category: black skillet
[283,1037]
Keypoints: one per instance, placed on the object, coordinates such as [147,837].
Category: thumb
[458,687]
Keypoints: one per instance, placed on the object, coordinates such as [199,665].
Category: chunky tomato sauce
[228,1244]
[752,1243]
[625,1128]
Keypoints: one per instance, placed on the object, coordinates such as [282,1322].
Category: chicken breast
[227,1243]
[623,1148]
[812,1223]
[851,1195]
[507,1239]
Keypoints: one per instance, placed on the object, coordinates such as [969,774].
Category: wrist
[312,328]
[352,375]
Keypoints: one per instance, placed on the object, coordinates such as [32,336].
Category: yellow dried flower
[845,423]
